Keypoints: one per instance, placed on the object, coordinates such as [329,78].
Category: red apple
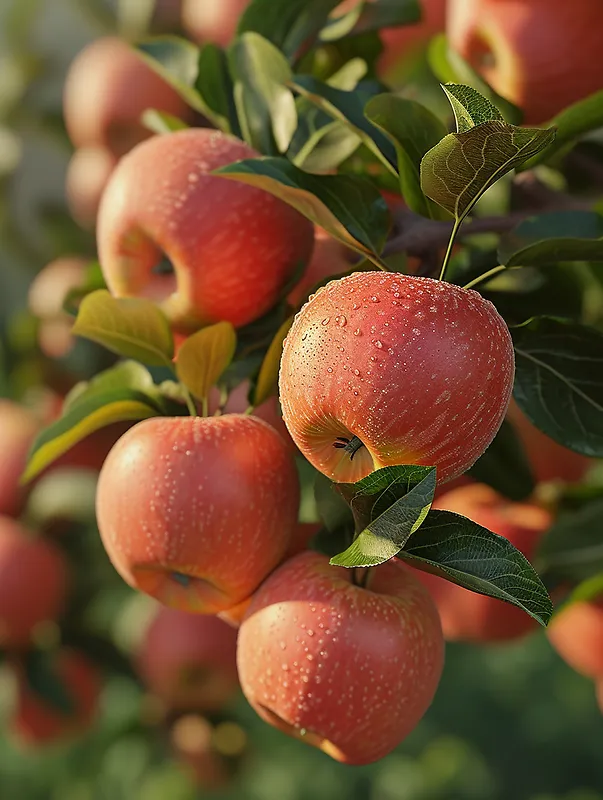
[347,669]
[18,428]
[402,42]
[189,660]
[36,722]
[382,369]
[238,403]
[33,584]
[465,615]
[549,461]
[576,633]
[196,512]
[87,175]
[233,247]
[540,55]
[329,259]
[47,294]
[212,20]
[108,88]
[302,535]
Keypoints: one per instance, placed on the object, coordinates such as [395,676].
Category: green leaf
[44,681]
[349,208]
[372,16]
[553,237]
[588,590]
[471,556]
[265,105]
[470,107]
[125,375]
[450,67]
[288,24]
[572,549]
[85,417]
[348,107]
[388,506]
[571,123]
[176,60]
[161,122]
[267,382]
[413,130]
[204,356]
[215,86]
[333,509]
[458,170]
[131,327]
[504,466]
[559,381]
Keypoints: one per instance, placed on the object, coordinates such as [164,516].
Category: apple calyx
[351,446]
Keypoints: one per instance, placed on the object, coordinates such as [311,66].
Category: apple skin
[354,668]
[18,428]
[233,247]
[303,533]
[329,259]
[35,723]
[189,660]
[470,617]
[549,460]
[47,293]
[419,370]
[33,584]
[196,512]
[402,42]
[541,55]
[576,633]
[88,173]
[108,87]
[212,20]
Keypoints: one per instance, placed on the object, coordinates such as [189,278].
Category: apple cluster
[201,511]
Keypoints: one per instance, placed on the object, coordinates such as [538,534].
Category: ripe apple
[233,247]
[18,428]
[576,633]
[35,722]
[382,369]
[402,42]
[88,173]
[349,670]
[269,410]
[329,259]
[107,89]
[189,660]
[302,534]
[47,294]
[465,615]
[540,55]
[33,584]
[196,512]
[549,461]
[212,20]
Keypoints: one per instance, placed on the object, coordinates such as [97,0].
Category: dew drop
[341,321]
[378,343]
[326,321]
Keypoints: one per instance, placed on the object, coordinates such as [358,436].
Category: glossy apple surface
[232,247]
[349,670]
[196,512]
[382,369]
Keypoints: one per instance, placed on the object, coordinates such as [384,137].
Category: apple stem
[453,234]
[351,446]
[360,576]
[190,403]
[485,276]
